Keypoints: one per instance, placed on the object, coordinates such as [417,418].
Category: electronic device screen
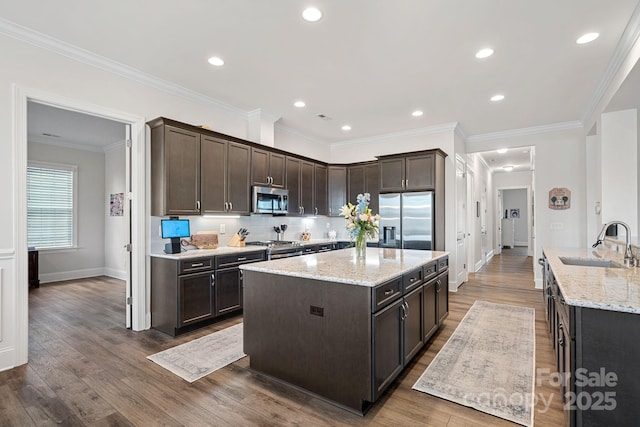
[174,228]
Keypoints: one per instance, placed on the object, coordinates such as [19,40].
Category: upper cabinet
[175,171]
[268,168]
[320,189]
[194,173]
[363,178]
[307,188]
[411,172]
[337,189]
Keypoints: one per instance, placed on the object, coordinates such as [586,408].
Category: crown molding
[447,127]
[24,34]
[460,132]
[628,39]
[525,131]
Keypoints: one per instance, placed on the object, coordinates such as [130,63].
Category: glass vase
[361,246]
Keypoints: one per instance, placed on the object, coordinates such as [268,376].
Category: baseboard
[7,358]
[116,274]
[478,266]
[520,243]
[538,283]
[71,275]
[490,255]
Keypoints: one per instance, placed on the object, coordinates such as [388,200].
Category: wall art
[559,198]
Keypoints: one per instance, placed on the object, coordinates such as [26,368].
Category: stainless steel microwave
[270,200]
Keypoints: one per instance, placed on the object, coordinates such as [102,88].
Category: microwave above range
[267,200]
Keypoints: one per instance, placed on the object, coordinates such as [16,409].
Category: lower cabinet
[404,317]
[186,294]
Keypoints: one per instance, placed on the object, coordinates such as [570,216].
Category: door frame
[140,296]
[499,209]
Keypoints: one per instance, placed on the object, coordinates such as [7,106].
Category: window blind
[50,207]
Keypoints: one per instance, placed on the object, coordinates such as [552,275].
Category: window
[51,205]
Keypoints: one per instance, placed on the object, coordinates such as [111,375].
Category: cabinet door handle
[230,206]
[407,310]
[226,206]
[198,205]
[316,211]
[302,210]
[438,285]
[404,312]
[213,279]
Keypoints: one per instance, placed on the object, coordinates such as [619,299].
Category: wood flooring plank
[78,346]
[11,410]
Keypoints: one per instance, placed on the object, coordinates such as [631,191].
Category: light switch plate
[223,228]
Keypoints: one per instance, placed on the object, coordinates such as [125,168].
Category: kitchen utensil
[283,227]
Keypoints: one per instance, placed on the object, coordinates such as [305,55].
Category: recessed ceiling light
[586,38]
[508,168]
[214,60]
[299,104]
[346,127]
[501,150]
[417,113]
[497,97]
[484,53]
[311,14]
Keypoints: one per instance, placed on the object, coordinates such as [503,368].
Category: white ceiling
[367,63]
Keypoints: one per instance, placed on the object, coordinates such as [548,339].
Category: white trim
[538,283]
[490,255]
[116,274]
[478,266]
[290,131]
[447,127]
[1,292]
[7,254]
[606,89]
[140,203]
[521,244]
[534,130]
[49,43]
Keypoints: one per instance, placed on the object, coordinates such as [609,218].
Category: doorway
[139,318]
[515,220]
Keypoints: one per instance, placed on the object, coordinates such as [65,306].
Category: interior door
[127,218]
[499,224]
[462,274]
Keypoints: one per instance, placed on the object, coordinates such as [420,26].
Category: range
[279,248]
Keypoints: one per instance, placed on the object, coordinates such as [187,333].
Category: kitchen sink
[590,262]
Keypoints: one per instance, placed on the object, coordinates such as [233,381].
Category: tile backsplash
[260,227]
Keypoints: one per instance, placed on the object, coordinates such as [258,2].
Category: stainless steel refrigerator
[406,220]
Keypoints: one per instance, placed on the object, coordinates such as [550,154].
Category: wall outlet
[223,228]
[557,225]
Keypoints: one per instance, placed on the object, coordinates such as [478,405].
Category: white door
[127,218]
[499,224]
[461,224]
[473,217]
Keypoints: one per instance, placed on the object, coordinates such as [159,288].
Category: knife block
[236,242]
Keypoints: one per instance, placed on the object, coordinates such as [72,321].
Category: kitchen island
[339,327]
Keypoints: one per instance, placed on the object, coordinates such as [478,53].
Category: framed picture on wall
[514,213]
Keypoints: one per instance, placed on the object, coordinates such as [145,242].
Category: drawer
[309,249]
[430,270]
[412,280]
[237,259]
[386,293]
[443,264]
[195,265]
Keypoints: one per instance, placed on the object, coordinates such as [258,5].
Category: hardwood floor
[85,368]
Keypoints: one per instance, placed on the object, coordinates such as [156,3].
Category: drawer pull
[197,264]
[244,258]
[389,292]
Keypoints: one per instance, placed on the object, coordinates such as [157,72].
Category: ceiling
[366,63]
[520,158]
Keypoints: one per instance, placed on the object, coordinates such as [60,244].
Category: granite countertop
[615,289]
[342,266]
[226,250]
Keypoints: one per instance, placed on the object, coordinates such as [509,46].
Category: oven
[277,249]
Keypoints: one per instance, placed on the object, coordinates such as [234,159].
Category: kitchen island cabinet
[336,326]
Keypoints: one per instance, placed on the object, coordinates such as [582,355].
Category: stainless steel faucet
[628,254]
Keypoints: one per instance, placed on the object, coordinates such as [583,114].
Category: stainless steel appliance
[277,249]
[406,220]
[270,200]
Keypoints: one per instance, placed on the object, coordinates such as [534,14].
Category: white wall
[517,199]
[88,259]
[291,141]
[619,163]
[116,234]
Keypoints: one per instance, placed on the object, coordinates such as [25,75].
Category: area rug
[200,357]
[488,363]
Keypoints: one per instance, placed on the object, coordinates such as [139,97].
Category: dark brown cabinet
[186,294]
[292,173]
[412,172]
[320,187]
[442,292]
[268,168]
[430,303]
[194,173]
[195,297]
[413,313]
[175,172]
[363,178]
[337,189]
[307,188]
[388,354]
[34,280]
